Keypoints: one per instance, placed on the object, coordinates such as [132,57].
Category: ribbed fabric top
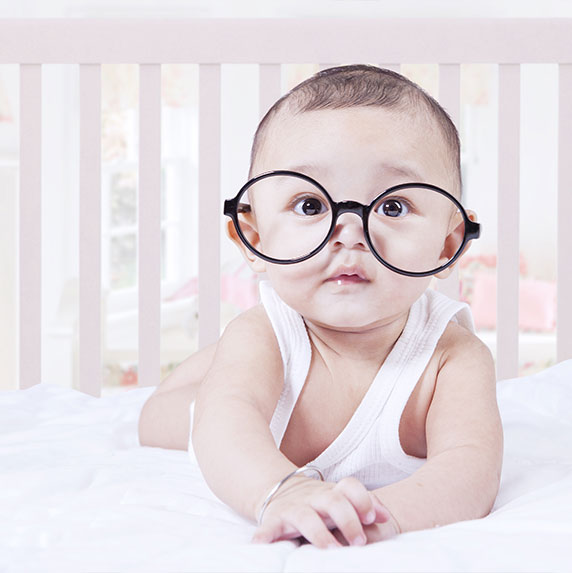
[368,448]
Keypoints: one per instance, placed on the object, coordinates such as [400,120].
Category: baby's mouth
[347,279]
[348,276]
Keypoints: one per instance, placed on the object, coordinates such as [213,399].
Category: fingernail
[359,540]
[370,517]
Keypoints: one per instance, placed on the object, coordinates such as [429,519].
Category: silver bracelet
[273,491]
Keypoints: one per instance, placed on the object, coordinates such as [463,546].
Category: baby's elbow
[147,424]
[495,480]
[489,460]
[478,483]
[194,435]
[495,470]
[200,436]
[487,490]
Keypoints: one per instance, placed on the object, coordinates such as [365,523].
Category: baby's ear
[254,262]
[452,242]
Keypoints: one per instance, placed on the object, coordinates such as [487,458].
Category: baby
[351,370]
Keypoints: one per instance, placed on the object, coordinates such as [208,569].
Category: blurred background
[240,115]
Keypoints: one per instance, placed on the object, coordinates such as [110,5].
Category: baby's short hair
[357,86]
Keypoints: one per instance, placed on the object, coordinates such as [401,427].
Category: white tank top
[368,448]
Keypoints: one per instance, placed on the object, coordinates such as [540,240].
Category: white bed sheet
[78,493]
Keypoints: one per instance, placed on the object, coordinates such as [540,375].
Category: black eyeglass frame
[232,209]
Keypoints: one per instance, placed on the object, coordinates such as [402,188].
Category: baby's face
[356,154]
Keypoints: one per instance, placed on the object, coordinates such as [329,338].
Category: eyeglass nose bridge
[354,207]
[350,207]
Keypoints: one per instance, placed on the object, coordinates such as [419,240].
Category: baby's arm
[237,454]
[461,477]
[164,419]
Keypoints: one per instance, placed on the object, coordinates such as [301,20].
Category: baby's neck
[370,345]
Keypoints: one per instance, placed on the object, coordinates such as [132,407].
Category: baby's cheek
[296,277]
[405,290]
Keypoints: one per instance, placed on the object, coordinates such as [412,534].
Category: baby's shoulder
[251,333]
[457,343]
[253,321]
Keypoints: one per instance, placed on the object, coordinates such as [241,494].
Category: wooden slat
[209,203]
[508,221]
[295,40]
[90,373]
[8,277]
[449,91]
[449,98]
[149,207]
[564,273]
[270,79]
[30,237]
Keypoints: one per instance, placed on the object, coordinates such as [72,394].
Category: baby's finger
[337,510]
[313,528]
[305,523]
[382,514]
[361,499]
[274,530]
[380,531]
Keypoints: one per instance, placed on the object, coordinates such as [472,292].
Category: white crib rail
[89,229]
[209,202]
[450,99]
[211,42]
[149,208]
[270,41]
[30,251]
[564,262]
[508,219]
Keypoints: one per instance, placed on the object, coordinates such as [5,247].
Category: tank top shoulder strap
[296,352]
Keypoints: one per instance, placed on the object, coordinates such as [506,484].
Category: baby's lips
[347,272]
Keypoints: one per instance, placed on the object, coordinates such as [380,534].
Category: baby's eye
[393,208]
[309,206]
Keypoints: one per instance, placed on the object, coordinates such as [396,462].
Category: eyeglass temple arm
[231,205]
[473,230]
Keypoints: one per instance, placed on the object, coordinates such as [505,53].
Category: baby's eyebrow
[309,169]
[401,169]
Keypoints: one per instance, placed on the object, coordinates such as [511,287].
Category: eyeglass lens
[413,229]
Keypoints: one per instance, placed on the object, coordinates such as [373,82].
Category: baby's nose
[349,231]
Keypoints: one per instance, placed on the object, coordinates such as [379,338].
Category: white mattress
[78,493]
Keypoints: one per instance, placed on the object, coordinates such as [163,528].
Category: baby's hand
[376,531]
[310,508]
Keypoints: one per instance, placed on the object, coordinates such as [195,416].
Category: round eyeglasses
[414,229]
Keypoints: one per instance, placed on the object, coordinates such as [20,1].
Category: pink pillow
[537,303]
[241,291]
[239,288]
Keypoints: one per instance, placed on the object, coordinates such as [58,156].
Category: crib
[508,44]
[449,43]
